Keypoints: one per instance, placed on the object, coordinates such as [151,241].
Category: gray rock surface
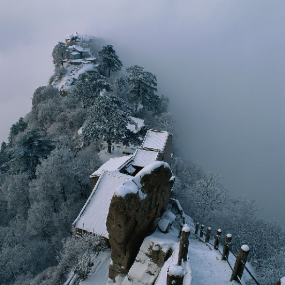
[131,214]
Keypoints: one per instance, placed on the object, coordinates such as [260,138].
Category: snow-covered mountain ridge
[86,114]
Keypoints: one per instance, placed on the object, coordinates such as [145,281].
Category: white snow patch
[161,280]
[163,225]
[169,216]
[144,270]
[282,281]
[73,72]
[186,229]
[113,164]
[100,271]
[150,168]
[80,131]
[176,270]
[206,265]
[136,128]
[134,184]
[245,247]
[130,187]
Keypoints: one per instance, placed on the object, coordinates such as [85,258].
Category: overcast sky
[220,62]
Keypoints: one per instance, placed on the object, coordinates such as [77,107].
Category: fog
[220,62]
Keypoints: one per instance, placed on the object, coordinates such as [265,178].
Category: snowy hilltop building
[76,38]
[156,146]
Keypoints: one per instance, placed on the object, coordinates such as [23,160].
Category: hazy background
[221,63]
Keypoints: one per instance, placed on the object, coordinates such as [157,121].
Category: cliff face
[132,210]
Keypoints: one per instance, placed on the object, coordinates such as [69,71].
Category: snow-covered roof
[75,53]
[76,61]
[90,58]
[134,128]
[93,215]
[155,140]
[143,157]
[113,164]
[78,48]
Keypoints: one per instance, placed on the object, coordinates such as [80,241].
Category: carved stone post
[217,239]
[207,237]
[184,243]
[175,275]
[226,249]
[240,263]
[201,231]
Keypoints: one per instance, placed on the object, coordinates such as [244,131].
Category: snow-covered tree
[4,158]
[60,53]
[142,88]
[166,122]
[16,128]
[77,253]
[109,118]
[88,87]
[208,193]
[28,152]
[110,60]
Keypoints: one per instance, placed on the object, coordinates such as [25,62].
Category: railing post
[196,228]
[217,239]
[207,237]
[281,281]
[184,243]
[240,263]
[226,249]
[175,275]
[201,231]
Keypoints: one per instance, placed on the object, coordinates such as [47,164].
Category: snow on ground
[206,265]
[203,267]
[100,270]
[73,71]
[173,259]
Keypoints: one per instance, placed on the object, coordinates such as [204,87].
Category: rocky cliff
[133,208]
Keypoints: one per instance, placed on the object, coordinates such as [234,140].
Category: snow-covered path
[206,265]
[100,270]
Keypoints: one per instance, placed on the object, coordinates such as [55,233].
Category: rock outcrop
[133,208]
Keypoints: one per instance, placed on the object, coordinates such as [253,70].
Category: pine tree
[16,128]
[60,53]
[89,86]
[4,158]
[143,87]
[110,60]
[28,152]
[109,118]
